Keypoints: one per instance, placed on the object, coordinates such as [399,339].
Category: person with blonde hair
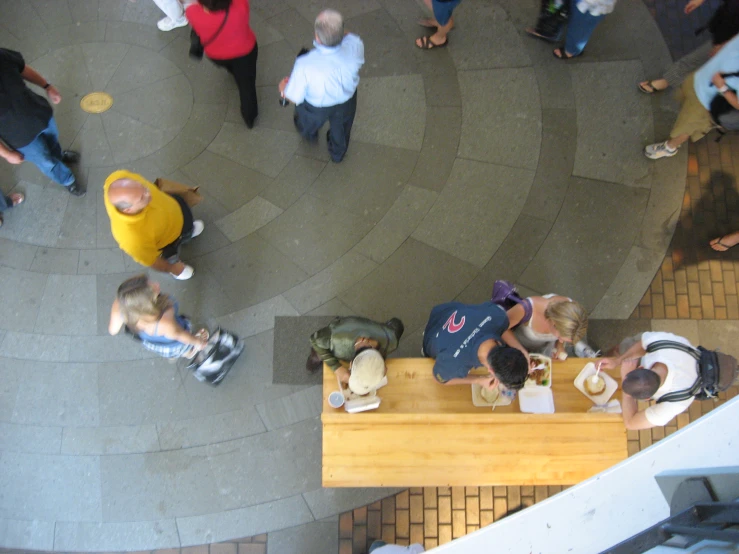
[152,317]
[554,321]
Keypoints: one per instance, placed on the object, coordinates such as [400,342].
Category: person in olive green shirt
[345,337]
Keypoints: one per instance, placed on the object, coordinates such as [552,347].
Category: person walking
[174,15]
[27,126]
[584,17]
[723,26]
[323,84]
[149,225]
[153,318]
[229,42]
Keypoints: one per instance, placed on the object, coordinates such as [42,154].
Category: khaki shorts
[693,120]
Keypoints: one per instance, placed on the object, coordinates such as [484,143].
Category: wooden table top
[412,389]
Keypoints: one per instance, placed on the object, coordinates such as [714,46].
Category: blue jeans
[46,152]
[5,202]
[579,28]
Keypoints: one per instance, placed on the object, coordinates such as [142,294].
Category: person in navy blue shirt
[461,337]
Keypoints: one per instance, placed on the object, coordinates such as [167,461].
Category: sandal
[719,246]
[561,54]
[427,44]
[647,87]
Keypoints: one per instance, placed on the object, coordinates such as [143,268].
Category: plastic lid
[536,400]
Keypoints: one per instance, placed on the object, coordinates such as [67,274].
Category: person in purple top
[461,337]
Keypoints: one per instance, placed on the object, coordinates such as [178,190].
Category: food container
[545,377]
[479,401]
[536,400]
[605,396]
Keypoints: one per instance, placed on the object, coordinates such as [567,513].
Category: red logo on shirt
[451,325]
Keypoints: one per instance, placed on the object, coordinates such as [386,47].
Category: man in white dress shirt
[323,83]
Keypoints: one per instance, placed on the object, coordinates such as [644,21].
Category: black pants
[244,71]
[172,250]
[309,119]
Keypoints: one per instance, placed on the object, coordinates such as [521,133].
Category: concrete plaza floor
[488,159]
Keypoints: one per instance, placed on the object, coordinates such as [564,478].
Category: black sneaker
[75,190]
[70,157]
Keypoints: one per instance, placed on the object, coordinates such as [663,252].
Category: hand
[282,85]
[692,5]
[627,366]
[343,374]
[488,382]
[609,363]
[54,95]
[718,80]
[14,157]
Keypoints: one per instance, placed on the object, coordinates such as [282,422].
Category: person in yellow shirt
[149,225]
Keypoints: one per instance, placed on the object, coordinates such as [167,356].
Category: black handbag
[197,48]
[723,113]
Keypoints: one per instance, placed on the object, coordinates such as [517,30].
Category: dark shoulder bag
[197,48]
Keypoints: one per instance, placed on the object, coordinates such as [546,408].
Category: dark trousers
[172,250]
[244,71]
[309,119]
[5,202]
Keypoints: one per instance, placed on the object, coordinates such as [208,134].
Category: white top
[725,61]
[396,549]
[530,333]
[596,7]
[682,371]
[327,75]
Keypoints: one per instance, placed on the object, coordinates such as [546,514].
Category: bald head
[128,196]
[329,28]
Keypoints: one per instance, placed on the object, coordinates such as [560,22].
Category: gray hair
[329,27]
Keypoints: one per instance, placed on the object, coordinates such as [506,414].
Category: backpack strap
[528,310]
[664,344]
[680,395]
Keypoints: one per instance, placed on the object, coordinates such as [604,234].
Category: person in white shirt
[660,372]
[174,12]
[323,84]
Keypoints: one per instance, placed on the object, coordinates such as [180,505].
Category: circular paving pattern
[467,164]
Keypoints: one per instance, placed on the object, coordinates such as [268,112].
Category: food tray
[547,376]
[605,396]
[480,402]
[536,400]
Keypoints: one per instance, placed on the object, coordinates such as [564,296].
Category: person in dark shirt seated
[461,337]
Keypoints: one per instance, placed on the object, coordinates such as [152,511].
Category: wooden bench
[428,434]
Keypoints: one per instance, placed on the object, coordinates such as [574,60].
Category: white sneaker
[197,228]
[167,24]
[659,150]
[185,275]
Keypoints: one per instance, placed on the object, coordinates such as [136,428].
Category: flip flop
[560,54]
[643,87]
[427,44]
[722,247]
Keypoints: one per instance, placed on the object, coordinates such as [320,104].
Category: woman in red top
[234,46]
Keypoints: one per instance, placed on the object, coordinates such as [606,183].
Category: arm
[11,156]
[693,5]
[730,95]
[636,351]
[634,420]
[169,328]
[486,381]
[32,76]
[116,320]
[509,337]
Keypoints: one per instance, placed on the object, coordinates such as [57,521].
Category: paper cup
[336,399]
